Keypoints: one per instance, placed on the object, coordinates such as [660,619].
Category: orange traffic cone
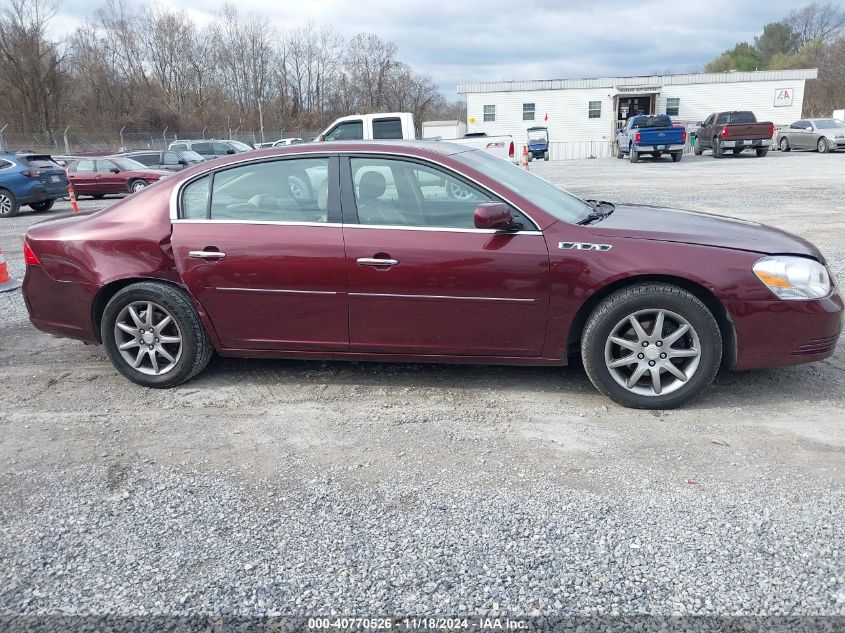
[525,156]
[72,195]
[6,282]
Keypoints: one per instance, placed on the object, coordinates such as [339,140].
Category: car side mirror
[114,170]
[493,215]
[230,151]
[182,161]
[809,128]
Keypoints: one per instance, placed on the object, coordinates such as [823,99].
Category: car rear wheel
[98,196]
[44,205]
[619,152]
[717,149]
[651,346]
[154,336]
[9,205]
[136,185]
[784,144]
[676,157]
[822,146]
[634,155]
[762,152]
[546,155]
[698,150]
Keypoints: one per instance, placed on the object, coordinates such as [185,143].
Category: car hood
[691,227]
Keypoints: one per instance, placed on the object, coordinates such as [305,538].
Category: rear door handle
[378,263]
[206,254]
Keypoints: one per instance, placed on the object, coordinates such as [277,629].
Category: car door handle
[206,254]
[378,263]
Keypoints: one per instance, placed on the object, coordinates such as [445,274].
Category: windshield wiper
[601,209]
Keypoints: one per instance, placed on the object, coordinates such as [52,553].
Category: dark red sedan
[365,251]
[99,177]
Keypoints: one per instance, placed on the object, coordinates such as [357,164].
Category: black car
[171,160]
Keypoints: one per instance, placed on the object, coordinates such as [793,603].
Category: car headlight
[793,278]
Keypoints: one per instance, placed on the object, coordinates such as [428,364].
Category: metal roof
[645,80]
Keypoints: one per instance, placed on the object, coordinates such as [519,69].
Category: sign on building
[783,97]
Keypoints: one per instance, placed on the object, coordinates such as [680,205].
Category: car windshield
[829,124]
[548,197]
[652,121]
[192,157]
[127,164]
[241,147]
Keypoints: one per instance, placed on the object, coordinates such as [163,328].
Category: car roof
[439,147]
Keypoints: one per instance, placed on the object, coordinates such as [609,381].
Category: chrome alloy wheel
[652,352]
[148,338]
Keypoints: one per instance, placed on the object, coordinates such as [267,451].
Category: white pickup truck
[400,126]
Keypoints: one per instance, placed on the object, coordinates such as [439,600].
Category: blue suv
[33,179]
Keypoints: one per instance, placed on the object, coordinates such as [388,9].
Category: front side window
[594,110]
[673,106]
[221,149]
[527,111]
[105,166]
[346,131]
[554,201]
[387,128]
[171,158]
[292,190]
[146,159]
[393,192]
[489,113]
[201,148]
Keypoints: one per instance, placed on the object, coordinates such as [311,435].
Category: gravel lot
[296,487]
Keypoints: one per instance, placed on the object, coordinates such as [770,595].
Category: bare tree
[816,23]
[30,63]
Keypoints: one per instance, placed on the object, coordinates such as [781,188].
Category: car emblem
[584,246]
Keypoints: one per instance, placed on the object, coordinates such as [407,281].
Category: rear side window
[221,149]
[146,159]
[292,190]
[83,167]
[387,128]
[195,199]
[179,147]
[171,158]
[201,148]
[346,131]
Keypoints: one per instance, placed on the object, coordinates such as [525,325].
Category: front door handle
[206,254]
[377,263]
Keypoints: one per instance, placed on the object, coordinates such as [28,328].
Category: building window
[673,106]
[527,111]
[489,113]
[595,109]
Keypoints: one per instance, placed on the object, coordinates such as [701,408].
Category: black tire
[530,156]
[784,144]
[137,185]
[44,205]
[676,157]
[762,152]
[9,205]
[98,196]
[717,149]
[619,153]
[698,150]
[546,155]
[633,155]
[657,155]
[196,348]
[736,151]
[822,146]
[645,296]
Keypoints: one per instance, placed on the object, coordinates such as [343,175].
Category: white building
[583,115]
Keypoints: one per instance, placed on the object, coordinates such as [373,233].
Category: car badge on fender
[584,246]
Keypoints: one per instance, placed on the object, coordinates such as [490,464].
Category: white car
[282,142]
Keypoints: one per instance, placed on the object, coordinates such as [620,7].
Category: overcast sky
[490,40]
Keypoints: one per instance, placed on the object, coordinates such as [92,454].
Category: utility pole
[261,120]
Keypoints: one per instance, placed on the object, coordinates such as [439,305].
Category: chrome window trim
[336,225]
[453,297]
[177,190]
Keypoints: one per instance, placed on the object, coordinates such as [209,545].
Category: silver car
[822,135]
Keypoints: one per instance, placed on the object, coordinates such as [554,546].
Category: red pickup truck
[734,132]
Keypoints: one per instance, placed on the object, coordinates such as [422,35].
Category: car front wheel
[154,336]
[822,146]
[136,185]
[784,144]
[651,346]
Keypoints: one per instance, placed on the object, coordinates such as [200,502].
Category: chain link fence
[70,142]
